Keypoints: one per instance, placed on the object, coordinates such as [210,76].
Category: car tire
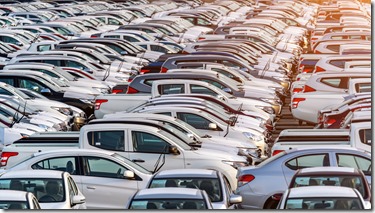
[271,204]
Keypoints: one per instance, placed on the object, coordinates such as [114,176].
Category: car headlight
[267,109]
[63,110]
[235,164]
[244,151]
[121,78]
[102,90]
[87,101]
[252,136]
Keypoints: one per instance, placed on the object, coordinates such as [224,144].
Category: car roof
[13,195]
[328,171]
[34,174]
[187,173]
[325,148]
[321,191]
[170,192]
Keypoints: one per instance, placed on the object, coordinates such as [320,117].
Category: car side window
[9,81]
[112,36]
[171,89]
[196,121]
[201,90]
[334,48]
[66,164]
[308,161]
[365,135]
[109,140]
[148,143]
[5,92]
[42,48]
[353,161]
[363,87]
[31,85]
[164,113]
[100,167]
[341,83]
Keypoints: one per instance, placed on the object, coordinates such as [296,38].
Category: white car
[323,198]
[107,180]
[213,182]
[53,189]
[170,198]
[12,199]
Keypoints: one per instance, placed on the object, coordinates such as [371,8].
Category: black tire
[271,204]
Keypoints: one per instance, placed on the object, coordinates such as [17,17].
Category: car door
[355,161]
[292,164]
[148,147]
[104,185]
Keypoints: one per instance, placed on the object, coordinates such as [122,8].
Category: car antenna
[158,161]
[24,111]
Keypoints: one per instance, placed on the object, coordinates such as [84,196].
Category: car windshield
[210,185]
[13,89]
[46,190]
[323,203]
[7,204]
[168,204]
[131,163]
[333,180]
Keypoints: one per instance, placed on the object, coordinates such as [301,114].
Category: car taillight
[115,91]
[163,70]
[296,101]
[143,71]
[319,69]
[307,88]
[275,152]
[329,122]
[297,90]
[99,102]
[244,179]
[131,90]
[5,157]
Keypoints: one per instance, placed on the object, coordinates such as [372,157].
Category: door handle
[90,187]
[138,161]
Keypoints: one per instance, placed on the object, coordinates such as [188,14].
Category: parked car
[213,182]
[323,197]
[170,198]
[14,199]
[283,165]
[53,189]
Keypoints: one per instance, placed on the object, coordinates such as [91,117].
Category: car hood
[204,153]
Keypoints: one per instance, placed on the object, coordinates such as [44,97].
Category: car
[53,189]
[282,166]
[107,175]
[323,197]
[333,176]
[170,198]
[12,199]
[213,182]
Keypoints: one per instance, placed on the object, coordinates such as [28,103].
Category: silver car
[261,186]
[213,182]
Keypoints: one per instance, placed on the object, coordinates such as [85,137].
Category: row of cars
[185,95]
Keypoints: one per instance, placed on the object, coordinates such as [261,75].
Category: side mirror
[212,126]
[129,174]
[123,52]
[78,199]
[46,92]
[244,69]
[19,44]
[227,90]
[191,136]
[235,199]
[220,97]
[173,150]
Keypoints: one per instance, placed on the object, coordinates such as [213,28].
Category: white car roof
[187,173]
[321,191]
[327,169]
[34,174]
[13,195]
[170,192]
[74,151]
